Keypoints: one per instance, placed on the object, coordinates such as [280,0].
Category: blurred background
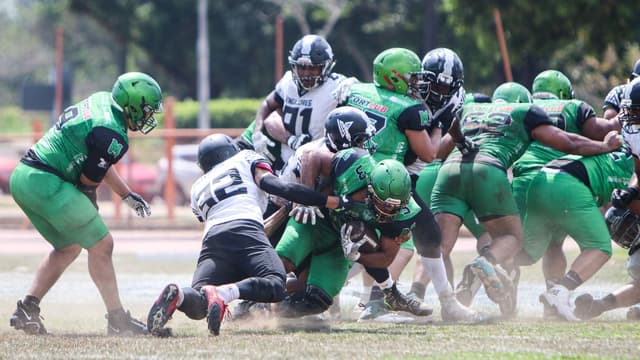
[228,54]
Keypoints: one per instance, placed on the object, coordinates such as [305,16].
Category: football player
[553,92]
[55,185]
[301,101]
[236,260]
[622,224]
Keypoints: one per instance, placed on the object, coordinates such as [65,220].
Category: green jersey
[568,115]
[392,114]
[601,173]
[502,131]
[87,139]
[350,171]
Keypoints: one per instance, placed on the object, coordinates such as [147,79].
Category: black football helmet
[347,127]
[441,77]
[624,227]
[311,51]
[629,115]
[215,149]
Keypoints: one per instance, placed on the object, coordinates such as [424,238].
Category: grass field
[74,315]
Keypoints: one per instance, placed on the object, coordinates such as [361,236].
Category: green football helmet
[389,189]
[553,82]
[398,70]
[139,96]
[511,92]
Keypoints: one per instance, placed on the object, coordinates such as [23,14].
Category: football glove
[341,93]
[304,214]
[138,204]
[350,248]
[467,146]
[622,198]
[295,142]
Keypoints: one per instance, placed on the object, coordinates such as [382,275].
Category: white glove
[295,142]
[341,93]
[137,203]
[304,213]
[350,248]
[261,143]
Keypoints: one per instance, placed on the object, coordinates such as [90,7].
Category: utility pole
[203,65]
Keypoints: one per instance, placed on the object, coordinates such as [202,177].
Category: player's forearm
[116,183]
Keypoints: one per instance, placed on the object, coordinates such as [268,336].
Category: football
[361,229]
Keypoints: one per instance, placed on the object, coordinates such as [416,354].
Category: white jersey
[291,170]
[305,113]
[458,100]
[229,192]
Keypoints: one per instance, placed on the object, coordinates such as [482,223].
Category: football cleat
[510,282]
[468,286]
[397,301]
[493,285]
[27,318]
[217,309]
[587,307]
[247,309]
[558,298]
[452,310]
[162,309]
[373,309]
[120,323]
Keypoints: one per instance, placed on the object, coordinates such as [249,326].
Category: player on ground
[236,260]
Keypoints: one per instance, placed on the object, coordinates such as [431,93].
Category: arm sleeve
[104,148]
[535,117]
[291,191]
[414,118]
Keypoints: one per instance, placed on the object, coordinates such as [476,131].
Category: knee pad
[194,304]
[633,266]
[313,301]
[426,234]
[270,288]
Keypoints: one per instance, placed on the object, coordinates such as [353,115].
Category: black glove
[622,198]
[295,142]
[346,203]
[90,192]
[467,146]
[446,116]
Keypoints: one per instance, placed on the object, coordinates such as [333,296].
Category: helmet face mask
[629,116]
[553,82]
[140,97]
[441,77]
[389,190]
[347,127]
[398,70]
[311,61]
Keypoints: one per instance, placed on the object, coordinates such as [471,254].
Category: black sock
[418,289]
[376,293]
[571,280]
[30,299]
